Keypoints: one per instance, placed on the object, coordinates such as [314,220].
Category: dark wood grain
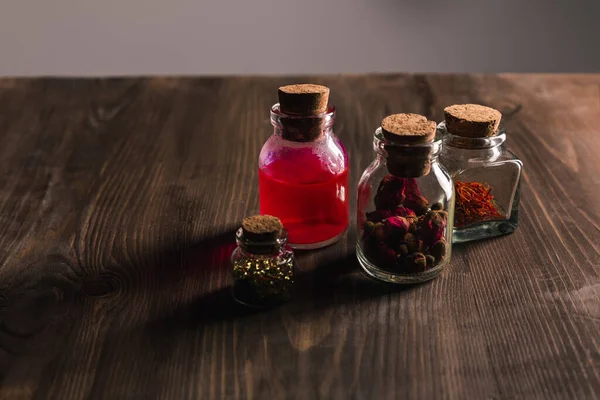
[118,203]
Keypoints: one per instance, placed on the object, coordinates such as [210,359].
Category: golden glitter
[263,280]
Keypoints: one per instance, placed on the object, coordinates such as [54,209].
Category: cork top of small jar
[303,99]
[408,129]
[262,227]
[472,120]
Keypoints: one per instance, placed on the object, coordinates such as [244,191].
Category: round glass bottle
[486,175]
[263,263]
[405,204]
[303,168]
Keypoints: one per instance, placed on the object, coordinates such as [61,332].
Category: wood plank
[118,203]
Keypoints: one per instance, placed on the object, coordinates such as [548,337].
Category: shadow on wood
[335,282]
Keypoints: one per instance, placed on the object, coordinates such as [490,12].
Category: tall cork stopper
[262,228]
[303,99]
[408,128]
[304,108]
[472,120]
[408,150]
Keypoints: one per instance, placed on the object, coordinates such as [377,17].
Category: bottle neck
[302,128]
[263,247]
[407,161]
[485,148]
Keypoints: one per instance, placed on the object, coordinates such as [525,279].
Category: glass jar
[405,212]
[303,175]
[487,180]
[263,266]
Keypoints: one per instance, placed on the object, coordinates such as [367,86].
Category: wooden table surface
[118,204]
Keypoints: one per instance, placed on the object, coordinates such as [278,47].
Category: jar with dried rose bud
[405,204]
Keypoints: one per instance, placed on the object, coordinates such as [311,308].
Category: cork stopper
[408,129]
[472,120]
[408,149]
[262,228]
[303,99]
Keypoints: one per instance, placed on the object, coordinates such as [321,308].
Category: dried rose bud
[430,260]
[397,226]
[404,212]
[415,262]
[420,261]
[390,193]
[403,249]
[438,250]
[378,215]
[438,223]
[368,227]
[412,242]
[437,206]
[379,232]
[431,228]
[396,229]
[414,223]
[414,199]
[438,218]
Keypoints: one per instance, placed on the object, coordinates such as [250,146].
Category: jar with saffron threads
[263,263]
[405,204]
[486,175]
[303,168]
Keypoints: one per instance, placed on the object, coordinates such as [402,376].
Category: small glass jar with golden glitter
[263,263]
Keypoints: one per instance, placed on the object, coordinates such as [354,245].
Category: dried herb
[474,203]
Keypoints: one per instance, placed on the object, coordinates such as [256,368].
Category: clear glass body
[405,220]
[263,272]
[305,183]
[485,161]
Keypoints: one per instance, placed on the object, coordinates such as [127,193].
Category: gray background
[122,37]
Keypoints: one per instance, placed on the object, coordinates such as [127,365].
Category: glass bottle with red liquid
[303,168]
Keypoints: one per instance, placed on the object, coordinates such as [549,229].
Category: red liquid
[311,201]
